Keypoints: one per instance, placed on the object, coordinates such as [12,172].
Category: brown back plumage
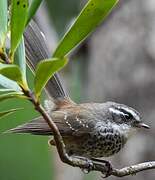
[71,121]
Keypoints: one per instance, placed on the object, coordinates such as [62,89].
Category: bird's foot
[108,166]
[88,164]
[109,169]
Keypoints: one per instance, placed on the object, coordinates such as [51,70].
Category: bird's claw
[107,165]
[109,169]
[88,166]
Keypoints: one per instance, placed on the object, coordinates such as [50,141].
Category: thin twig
[132,170]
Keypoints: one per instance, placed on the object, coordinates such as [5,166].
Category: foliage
[3,22]
[10,111]
[49,66]
[91,15]
[13,77]
[19,12]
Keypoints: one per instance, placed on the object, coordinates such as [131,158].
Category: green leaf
[92,14]
[44,71]
[32,9]
[13,72]
[11,95]
[19,11]
[20,58]
[9,84]
[3,21]
[6,90]
[10,111]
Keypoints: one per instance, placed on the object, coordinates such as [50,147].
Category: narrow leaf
[32,9]
[13,72]
[10,111]
[44,71]
[20,58]
[9,84]
[92,14]
[6,90]
[3,21]
[11,95]
[19,11]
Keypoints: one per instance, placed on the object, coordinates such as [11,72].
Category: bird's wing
[69,124]
[37,50]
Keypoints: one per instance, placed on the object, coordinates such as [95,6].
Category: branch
[132,170]
[73,161]
[84,163]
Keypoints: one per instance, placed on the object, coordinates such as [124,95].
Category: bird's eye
[128,116]
[121,114]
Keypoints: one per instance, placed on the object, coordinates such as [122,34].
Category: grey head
[123,114]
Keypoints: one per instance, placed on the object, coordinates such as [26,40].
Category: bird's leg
[89,163]
[107,164]
[92,161]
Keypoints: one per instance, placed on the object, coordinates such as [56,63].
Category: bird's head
[125,115]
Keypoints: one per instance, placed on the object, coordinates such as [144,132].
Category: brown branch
[83,162]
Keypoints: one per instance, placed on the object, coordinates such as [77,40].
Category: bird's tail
[37,50]
[37,126]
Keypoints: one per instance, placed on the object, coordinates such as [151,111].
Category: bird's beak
[142,125]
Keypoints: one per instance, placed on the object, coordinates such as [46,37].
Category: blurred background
[116,63]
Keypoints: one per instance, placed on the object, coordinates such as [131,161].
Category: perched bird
[91,130]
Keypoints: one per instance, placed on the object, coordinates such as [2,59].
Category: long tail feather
[37,127]
[37,50]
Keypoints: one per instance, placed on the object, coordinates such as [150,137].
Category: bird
[91,130]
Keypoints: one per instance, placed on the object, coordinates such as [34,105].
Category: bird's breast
[102,143]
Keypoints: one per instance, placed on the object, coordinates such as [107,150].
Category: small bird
[91,130]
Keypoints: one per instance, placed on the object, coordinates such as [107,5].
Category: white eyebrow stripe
[128,110]
[131,112]
[115,111]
